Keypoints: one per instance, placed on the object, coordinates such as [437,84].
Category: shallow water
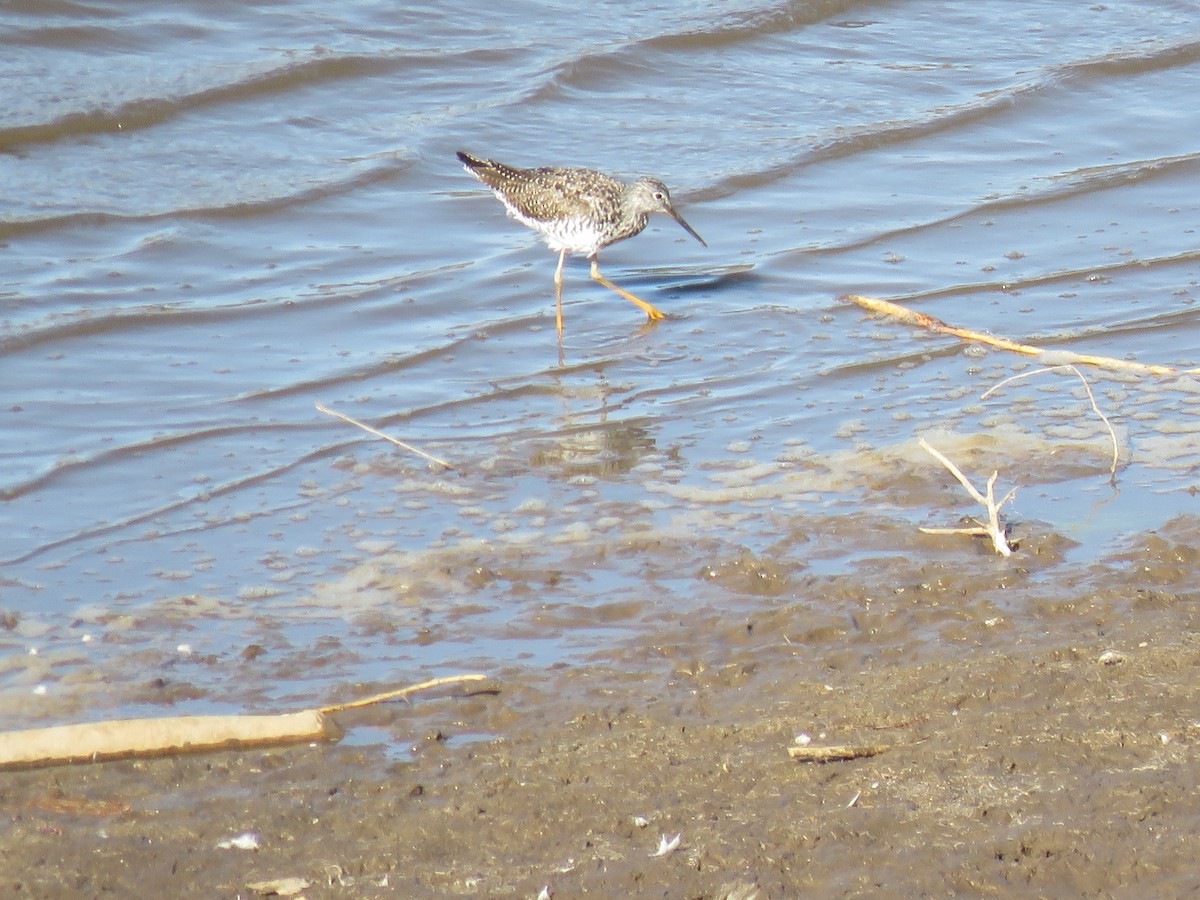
[218,215]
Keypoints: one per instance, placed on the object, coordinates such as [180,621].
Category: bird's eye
[659,195]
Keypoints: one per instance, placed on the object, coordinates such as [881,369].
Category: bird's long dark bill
[686,227]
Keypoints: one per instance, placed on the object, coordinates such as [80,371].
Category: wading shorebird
[577,211]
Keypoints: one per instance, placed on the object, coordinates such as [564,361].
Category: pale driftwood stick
[924,320]
[401,692]
[387,437]
[1092,397]
[289,886]
[837,753]
[127,738]
[992,528]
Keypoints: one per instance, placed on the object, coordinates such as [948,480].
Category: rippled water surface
[218,215]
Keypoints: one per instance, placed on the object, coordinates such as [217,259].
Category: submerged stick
[387,437]
[1056,357]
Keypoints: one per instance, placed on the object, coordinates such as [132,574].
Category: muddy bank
[1053,758]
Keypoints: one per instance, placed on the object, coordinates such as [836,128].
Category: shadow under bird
[577,211]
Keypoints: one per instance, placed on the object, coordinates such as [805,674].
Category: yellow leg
[562,257]
[652,313]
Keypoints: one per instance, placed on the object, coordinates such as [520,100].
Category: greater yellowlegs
[577,211]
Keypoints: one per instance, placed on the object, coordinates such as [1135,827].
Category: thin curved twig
[1116,456]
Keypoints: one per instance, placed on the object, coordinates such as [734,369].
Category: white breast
[576,234]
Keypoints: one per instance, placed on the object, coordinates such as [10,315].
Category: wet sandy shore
[1057,763]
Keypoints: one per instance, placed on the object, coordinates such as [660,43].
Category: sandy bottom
[1048,748]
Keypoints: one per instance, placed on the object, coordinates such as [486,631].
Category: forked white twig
[992,527]
[667,846]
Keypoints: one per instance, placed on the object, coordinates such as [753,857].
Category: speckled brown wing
[549,193]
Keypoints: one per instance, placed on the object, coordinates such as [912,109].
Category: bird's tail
[489,171]
[473,163]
